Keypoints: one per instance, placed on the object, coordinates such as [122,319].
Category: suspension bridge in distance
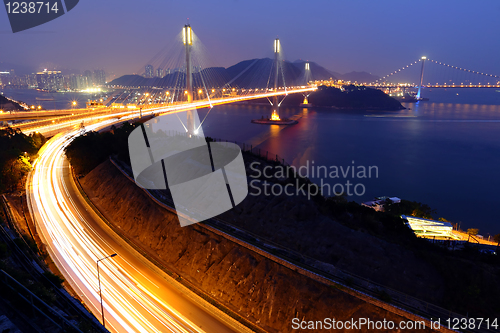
[443,76]
[192,88]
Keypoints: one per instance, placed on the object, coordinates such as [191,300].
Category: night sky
[121,36]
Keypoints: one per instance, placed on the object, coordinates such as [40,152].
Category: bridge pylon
[307,78]
[421,77]
[187,36]
[276,111]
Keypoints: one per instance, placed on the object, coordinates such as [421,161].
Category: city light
[91,90]
[275,116]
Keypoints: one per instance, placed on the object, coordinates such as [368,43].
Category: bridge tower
[187,36]
[308,78]
[276,111]
[421,78]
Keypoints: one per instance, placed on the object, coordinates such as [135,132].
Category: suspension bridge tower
[421,77]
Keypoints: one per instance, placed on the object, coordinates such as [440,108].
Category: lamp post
[99,280]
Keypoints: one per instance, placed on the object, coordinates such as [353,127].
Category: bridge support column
[187,35]
[276,111]
[421,78]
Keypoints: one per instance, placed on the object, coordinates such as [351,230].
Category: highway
[60,124]
[136,298]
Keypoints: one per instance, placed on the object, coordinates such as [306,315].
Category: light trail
[135,298]
[160,110]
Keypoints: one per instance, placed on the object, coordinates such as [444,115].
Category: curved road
[136,298]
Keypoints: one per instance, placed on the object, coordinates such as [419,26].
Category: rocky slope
[257,288]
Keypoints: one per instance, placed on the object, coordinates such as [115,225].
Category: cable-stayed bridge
[135,297]
[191,84]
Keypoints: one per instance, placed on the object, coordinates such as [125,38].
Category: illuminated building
[149,71]
[429,228]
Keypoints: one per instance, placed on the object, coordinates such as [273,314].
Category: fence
[37,305]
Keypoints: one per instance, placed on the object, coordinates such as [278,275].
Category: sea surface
[444,152]
[49,101]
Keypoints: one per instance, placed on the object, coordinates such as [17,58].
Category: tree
[496,238]
[16,149]
[472,231]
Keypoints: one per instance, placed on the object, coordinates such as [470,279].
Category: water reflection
[444,154]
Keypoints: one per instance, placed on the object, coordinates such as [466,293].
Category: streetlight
[74,104]
[99,279]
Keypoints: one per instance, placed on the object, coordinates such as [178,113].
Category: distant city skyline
[121,36]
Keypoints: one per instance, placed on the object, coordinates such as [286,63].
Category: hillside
[336,233]
[351,98]
[254,286]
[8,105]
[360,77]
[254,73]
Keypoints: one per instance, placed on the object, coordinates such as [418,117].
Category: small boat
[44,98]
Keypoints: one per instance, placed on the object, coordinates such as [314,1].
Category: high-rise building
[160,73]
[74,82]
[99,77]
[88,77]
[50,80]
[149,71]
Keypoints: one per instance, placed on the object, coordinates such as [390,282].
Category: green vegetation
[354,97]
[350,98]
[496,238]
[53,279]
[89,150]
[4,251]
[26,243]
[387,225]
[473,231]
[16,152]
[412,208]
